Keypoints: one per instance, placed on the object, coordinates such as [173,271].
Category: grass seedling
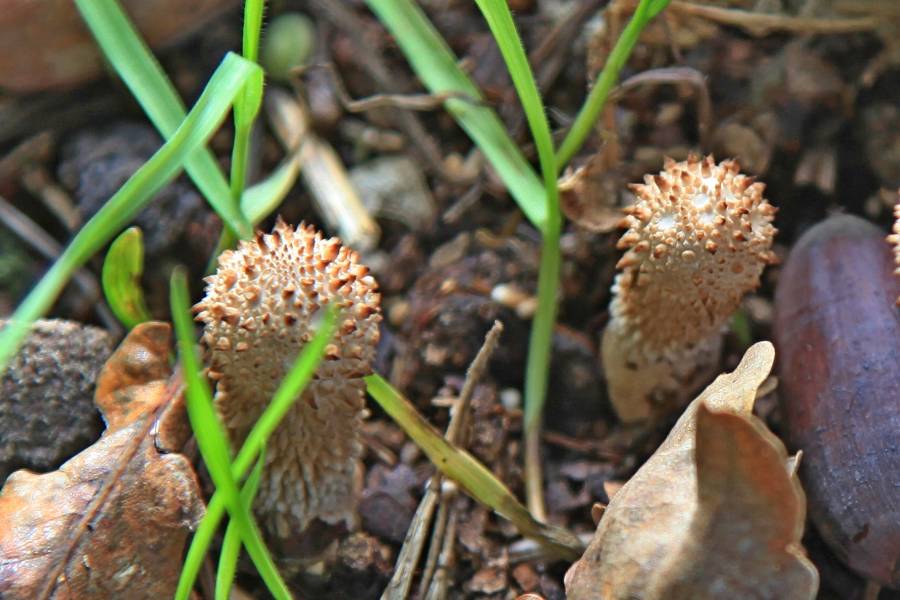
[213,441]
[237,84]
[121,278]
[437,68]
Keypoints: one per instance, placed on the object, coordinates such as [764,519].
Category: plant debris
[54,370]
[112,521]
[716,512]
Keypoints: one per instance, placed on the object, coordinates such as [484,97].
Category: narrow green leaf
[125,50]
[590,111]
[212,440]
[260,199]
[465,469]
[121,277]
[436,67]
[231,543]
[206,116]
[289,391]
[500,21]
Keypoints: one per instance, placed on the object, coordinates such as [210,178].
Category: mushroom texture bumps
[699,236]
[259,311]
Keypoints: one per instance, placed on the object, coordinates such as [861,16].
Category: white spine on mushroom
[699,236]
[259,311]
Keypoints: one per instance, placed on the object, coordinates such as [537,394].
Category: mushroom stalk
[260,309]
[698,238]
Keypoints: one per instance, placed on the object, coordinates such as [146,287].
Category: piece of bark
[46,413]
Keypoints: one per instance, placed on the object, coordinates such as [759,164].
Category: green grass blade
[231,543]
[212,440]
[260,199]
[500,21]
[590,111]
[121,278]
[465,469]
[436,67]
[246,109]
[203,120]
[288,392]
[135,64]
[253,17]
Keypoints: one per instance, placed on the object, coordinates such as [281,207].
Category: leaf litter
[716,512]
[112,520]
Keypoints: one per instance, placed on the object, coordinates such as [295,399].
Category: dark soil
[792,107]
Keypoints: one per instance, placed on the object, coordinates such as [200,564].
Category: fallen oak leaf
[749,522]
[112,521]
[716,512]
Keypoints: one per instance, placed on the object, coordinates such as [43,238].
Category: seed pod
[838,335]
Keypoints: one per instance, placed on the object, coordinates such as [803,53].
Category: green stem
[596,100]
[537,367]
[243,126]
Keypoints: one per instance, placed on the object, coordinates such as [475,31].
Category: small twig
[416,102]
[761,24]
[322,171]
[413,544]
[41,241]
[438,541]
[371,62]
[466,201]
[549,57]
[675,75]
[441,580]
[37,181]
[35,149]
[473,376]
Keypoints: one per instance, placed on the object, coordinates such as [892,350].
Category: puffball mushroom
[259,311]
[699,236]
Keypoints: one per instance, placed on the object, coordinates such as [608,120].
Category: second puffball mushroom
[260,309]
[699,236]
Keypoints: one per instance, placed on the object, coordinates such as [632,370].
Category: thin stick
[417,102]
[398,587]
[440,583]
[35,236]
[761,24]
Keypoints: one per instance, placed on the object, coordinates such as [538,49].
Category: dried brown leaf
[716,512]
[112,521]
[588,196]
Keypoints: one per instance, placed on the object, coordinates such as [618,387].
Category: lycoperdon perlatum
[261,307]
[698,237]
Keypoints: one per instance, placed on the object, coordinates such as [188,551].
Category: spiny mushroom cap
[699,236]
[259,311]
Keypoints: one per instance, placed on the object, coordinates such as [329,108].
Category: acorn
[837,330]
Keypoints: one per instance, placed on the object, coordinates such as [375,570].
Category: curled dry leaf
[716,512]
[588,196]
[112,521]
